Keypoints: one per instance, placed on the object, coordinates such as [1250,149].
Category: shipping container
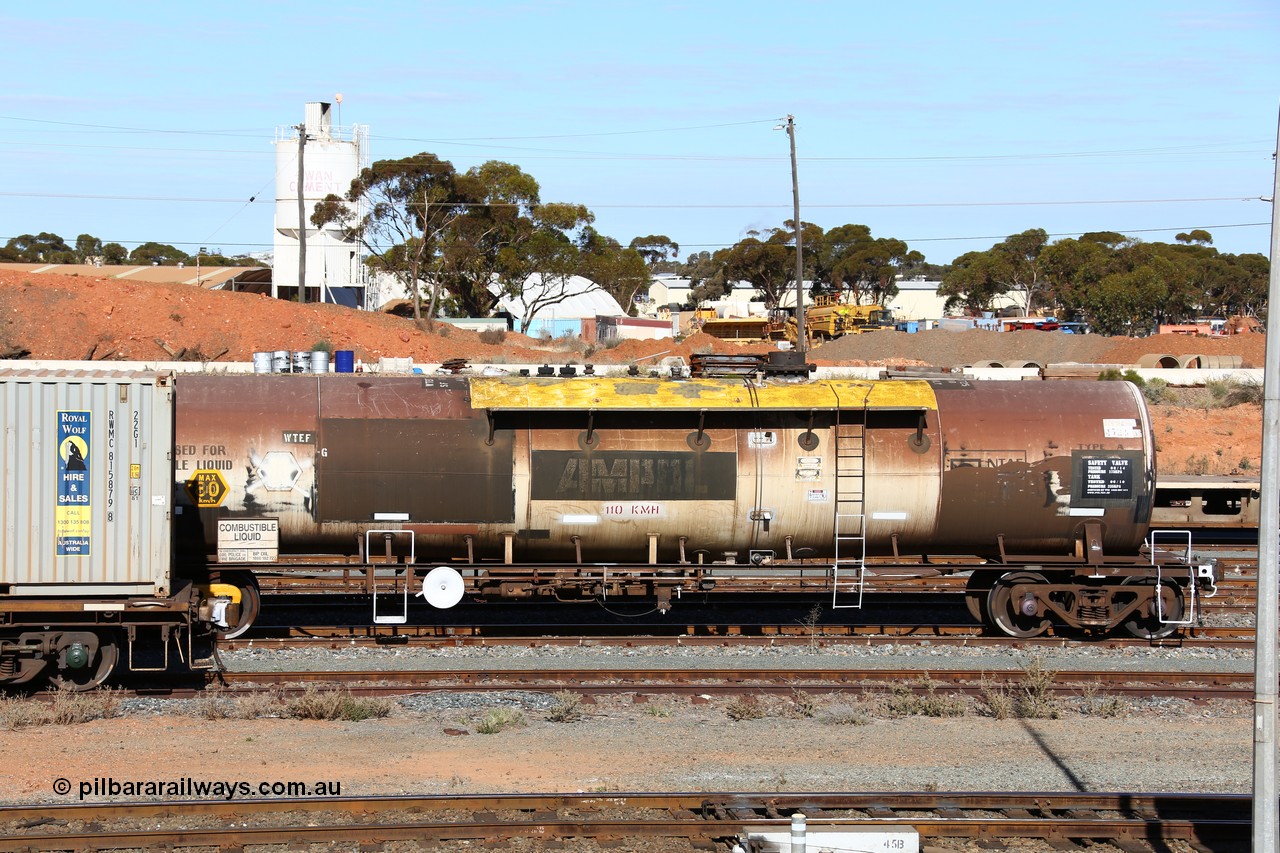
[87,473]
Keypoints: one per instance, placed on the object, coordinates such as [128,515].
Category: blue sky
[947,125]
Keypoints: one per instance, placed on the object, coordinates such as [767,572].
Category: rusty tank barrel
[653,470]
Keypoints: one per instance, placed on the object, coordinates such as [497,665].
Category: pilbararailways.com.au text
[186,787]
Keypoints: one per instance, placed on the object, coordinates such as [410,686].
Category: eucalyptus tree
[88,247]
[482,255]
[1122,285]
[659,251]
[158,253]
[706,274]
[543,271]
[623,273]
[45,247]
[767,265]
[867,267]
[398,212]
[1012,266]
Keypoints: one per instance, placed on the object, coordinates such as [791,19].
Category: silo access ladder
[849,570]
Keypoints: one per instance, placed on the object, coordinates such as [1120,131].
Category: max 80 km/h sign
[207,488]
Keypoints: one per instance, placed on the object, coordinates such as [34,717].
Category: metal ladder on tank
[849,573]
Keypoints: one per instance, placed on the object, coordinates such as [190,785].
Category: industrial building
[314,159]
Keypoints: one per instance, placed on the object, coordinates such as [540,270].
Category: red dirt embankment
[71,317]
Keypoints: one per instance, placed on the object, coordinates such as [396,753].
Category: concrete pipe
[1151,359]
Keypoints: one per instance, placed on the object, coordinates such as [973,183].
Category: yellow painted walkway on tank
[551,393]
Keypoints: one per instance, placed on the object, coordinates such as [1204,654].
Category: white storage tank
[332,158]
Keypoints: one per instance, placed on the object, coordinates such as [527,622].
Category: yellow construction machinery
[830,317]
[778,326]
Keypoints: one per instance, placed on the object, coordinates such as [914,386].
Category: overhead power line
[1125,231]
[680,206]
[487,141]
[1174,229]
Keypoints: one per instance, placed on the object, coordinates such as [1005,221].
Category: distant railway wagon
[87,576]
[1224,507]
[593,487]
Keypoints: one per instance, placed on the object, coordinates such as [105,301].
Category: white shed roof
[584,299]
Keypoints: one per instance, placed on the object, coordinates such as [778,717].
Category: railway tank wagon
[594,486]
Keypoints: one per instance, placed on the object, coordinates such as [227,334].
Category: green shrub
[1094,703]
[497,719]
[802,706]
[567,709]
[1244,392]
[1218,388]
[1157,391]
[1134,377]
[1033,699]
[63,709]
[904,701]
[1198,465]
[1112,374]
[316,704]
[745,708]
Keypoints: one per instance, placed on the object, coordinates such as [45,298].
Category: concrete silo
[331,158]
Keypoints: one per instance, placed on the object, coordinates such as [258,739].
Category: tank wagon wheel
[1006,613]
[976,592]
[77,671]
[1147,626]
[250,602]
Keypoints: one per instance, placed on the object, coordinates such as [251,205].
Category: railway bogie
[1144,601]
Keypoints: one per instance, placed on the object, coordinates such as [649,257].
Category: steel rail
[1189,686]
[1098,829]
[437,636]
[702,816]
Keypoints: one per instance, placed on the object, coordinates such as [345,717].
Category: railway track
[672,822]
[440,636]
[699,684]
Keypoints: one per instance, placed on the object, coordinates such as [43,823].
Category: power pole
[795,196]
[1265,816]
[302,217]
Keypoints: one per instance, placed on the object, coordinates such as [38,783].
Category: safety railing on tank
[1178,545]
[387,536]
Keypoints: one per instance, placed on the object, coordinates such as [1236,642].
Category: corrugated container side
[86,471]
